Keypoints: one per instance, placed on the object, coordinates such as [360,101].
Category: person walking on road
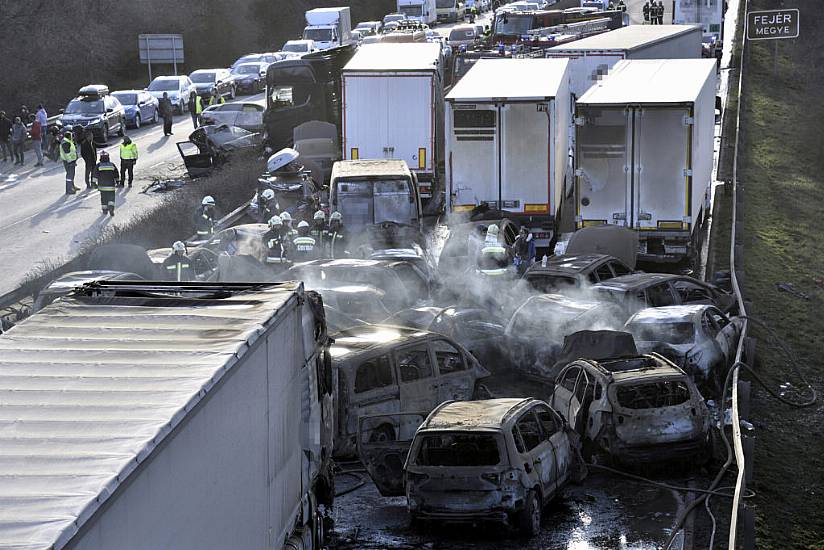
[128,158]
[107,178]
[195,108]
[88,150]
[205,218]
[5,135]
[43,118]
[178,266]
[68,154]
[37,133]
[167,112]
[18,140]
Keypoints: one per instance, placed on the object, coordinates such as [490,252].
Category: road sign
[772,24]
[160,48]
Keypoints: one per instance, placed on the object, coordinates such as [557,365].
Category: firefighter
[621,6]
[290,231]
[493,260]
[304,245]
[107,178]
[318,231]
[524,250]
[178,266]
[336,237]
[277,245]
[660,12]
[204,218]
[646,11]
[267,206]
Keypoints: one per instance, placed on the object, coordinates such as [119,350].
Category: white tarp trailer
[140,415]
[507,126]
[393,108]
[645,152]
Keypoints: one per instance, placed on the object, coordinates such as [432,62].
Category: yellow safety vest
[71,156]
[493,250]
[219,100]
[128,152]
[198,105]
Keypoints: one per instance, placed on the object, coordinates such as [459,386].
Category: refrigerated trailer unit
[507,123]
[592,58]
[645,151]
[158,415]
[393,108]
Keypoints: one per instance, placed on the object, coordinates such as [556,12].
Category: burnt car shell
[574,271]
[210,146]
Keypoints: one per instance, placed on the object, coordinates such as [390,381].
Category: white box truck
[645,152]
[393,109]
[425,11]
[507,125]
[328,27]
[592,58]
[142,414]
[450,11]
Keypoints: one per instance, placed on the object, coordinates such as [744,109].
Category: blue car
[140,106]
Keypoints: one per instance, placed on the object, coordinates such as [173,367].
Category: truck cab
[450,11]
[423,11]
[368,192]
[328,27]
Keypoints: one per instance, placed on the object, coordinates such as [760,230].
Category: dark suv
[97,110]
[208,80]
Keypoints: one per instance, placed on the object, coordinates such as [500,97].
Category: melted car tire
[529,519]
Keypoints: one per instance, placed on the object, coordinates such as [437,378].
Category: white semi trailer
[644,156]
[393,108]
[140,415]
[507,126]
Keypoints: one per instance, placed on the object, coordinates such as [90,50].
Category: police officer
[304,245]
[336,237]
[267,206]
[277,245]
[178,266]
[204,218]
[216,99]
[318,231]
[107,178]
[128,158]
[68,154]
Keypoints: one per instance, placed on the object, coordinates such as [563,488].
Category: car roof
[206,71]
[635,280]
[572,263]
[669,313]
[562,302]
[350,342]
[639,367]
[129,92]
[472,415]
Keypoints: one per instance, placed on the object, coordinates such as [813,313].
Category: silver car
[248,116]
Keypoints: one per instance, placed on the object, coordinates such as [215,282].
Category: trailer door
[410,120]
[662,192]
[473,161]
[526,150]
[364,117]
[603,175]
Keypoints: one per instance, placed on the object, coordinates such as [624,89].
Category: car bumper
[244,86]
[658,452]
[466,506]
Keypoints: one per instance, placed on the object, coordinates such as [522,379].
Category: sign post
[160,48]
[772,24]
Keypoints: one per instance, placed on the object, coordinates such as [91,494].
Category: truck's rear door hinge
[689,121]
[687,172]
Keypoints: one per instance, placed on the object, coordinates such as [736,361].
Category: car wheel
[121,131]
[155,116]
[529,519]
[137,121]
[181,107]
[105,133]
[382,434]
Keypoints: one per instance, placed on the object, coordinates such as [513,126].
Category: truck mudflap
[383,443]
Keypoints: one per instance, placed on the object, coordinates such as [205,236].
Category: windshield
[318,35]
[163,85]
[366,202]
[411,11]
[672,333]
[513,25]
[442,4]
[78,107]
[297,48]
[246,69]
[202,78]
[126,99]
[462,34]
[458,449]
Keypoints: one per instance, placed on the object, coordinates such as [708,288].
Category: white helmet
[268,194]
[492,230]
[178,246]
[303,223]
[208,200]
[286,217]
[275,221]
[319,215]
[336,216]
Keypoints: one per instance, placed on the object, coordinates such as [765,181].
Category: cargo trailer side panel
[229,476]
[525,158]
[561,132]
[587,67]
[472,154]
[702,148]
[683,46]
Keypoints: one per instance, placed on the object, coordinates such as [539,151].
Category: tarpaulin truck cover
[157,418]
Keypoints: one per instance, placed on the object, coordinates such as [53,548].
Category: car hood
[205,86]
[79,118]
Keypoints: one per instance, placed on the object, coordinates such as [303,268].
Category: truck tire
[529,519]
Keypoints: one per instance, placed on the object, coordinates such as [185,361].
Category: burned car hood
[224,137]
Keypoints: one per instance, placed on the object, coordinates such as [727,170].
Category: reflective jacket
[107,176]
[335,244]
[178,267]
[214,100]
[128,152]
[277,247]
[305,248]
[204,222]
[68,151]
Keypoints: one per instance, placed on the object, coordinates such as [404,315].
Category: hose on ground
[361,482]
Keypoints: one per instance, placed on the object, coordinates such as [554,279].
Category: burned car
[535,333]
[633,409]
[381,369]
[500,460]
[362,303]
[211,146]
[565,272]
[699,338]
[291,185]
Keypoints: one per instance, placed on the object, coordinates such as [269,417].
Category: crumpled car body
[634,409]
[211,146]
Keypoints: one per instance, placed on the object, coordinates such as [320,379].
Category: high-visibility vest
[106,180]
[219,100]
[304,245]
[277,252]
[178,268]
[198,105]
[71,156]
[128,152]
[493,250]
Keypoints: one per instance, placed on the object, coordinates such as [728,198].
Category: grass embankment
[780,173]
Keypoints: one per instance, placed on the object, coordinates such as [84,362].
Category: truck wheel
[122,130]
[529,519]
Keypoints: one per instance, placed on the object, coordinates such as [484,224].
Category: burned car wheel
[529,519]
[382,434]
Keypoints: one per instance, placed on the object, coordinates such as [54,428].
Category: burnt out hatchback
[499,460]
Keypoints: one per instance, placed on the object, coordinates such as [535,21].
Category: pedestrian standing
[659,12]
[107,178]
[18,140]
[167,112]
[178,266]
[88,150]
[195,108]
[128,158]
[524,250]
[68,154]
[215,99]
[37,133]
[645,11]
[43,118]
[5,136]
[25,115]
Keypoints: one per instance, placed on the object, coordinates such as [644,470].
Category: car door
[455,381]
[536,451]
[384,458]
[690,292]
[564,392]
[416,378]
[375,391]
[552,427]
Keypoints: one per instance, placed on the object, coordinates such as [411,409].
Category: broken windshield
[652,395]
